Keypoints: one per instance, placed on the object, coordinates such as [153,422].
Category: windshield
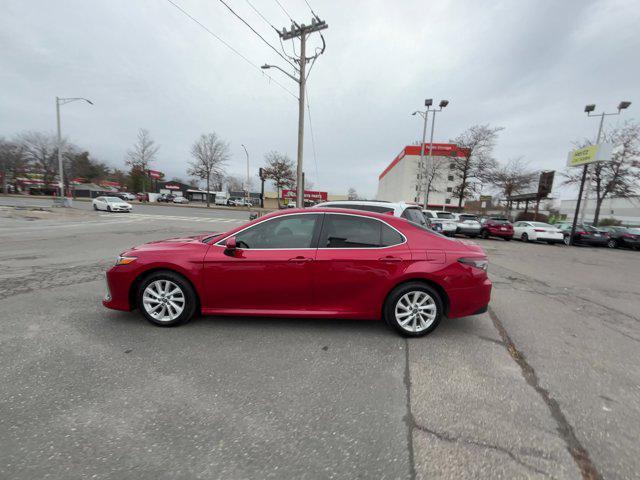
[468,217]
[444,215]
[498,220]
[635,231]
[540,224]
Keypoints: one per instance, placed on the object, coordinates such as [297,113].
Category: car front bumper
[117,295]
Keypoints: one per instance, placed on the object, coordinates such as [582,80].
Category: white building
[403,180]
[627,210]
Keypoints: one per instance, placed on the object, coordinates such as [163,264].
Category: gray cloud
[529,66]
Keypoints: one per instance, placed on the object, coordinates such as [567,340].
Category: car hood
[171,243]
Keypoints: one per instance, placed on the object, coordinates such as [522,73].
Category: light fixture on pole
[63,101]
[589,109]
[428,171]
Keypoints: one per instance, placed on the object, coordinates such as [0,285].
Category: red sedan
[307,263]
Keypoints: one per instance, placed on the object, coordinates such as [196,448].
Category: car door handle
[300,259]
[390,259]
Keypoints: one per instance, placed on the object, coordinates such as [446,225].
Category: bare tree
[235,183]
[512,178]
[211,154]
[12,162]
[475,166]
[139,157]
[352,194]
[280,170]
[431,177]
[40,149]
[619,177]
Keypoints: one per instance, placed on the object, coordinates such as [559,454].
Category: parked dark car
[166,197]
[623,237]
[497,227]
[584,235]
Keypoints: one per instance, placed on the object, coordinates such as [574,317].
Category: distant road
[155,209]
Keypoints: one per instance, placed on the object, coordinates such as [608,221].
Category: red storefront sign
[170,186]
[155,174]
[310,195]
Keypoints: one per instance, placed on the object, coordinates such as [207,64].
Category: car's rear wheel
[507,239]
[612,243]
[95,207]
[524,237]
[413,309]
[108,208]
[566,240]
[485,234]
[166,299]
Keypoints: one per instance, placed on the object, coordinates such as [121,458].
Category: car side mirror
[230,244]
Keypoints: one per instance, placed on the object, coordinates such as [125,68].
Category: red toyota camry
[307,263]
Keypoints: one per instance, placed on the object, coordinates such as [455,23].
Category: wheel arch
[135,285]
[426,281]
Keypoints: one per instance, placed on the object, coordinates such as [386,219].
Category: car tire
[485,234]
[401,297]
[163,283]
[108,208]
[551,243]
[507,239]
[612,243]
[95,207]
[566,240]
[524,237]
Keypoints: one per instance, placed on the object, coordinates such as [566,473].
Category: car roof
[373,203]
[316,209]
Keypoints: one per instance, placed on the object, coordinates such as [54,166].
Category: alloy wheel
[415,311]
[612,243]
[163,300]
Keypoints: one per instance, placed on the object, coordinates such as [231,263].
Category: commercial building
[403,179]
[626,210]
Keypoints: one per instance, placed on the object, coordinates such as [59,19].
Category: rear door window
[352,231]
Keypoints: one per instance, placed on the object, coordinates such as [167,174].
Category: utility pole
[248,178]
[301,31]
[586,167]
[62,101]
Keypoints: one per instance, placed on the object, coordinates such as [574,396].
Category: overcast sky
[529,66]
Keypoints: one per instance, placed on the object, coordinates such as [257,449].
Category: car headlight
[121,260]
[481,263]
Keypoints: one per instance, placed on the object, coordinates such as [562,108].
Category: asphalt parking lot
[545,385]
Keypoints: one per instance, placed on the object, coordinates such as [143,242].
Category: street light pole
[62,101]
[588,110]
[428,170]
[586,167]
[247,153]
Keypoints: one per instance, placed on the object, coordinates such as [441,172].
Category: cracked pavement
[546,385]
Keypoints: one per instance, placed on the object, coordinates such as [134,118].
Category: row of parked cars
[472,226]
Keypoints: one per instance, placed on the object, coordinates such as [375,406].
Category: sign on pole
[593,153]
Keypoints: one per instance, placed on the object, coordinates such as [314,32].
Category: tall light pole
[63,101]
[428,170]
[245,151]
[589,109]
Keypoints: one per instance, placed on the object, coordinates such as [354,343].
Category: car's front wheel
[485,234]
[166,299]
[566,240]
[413,309]
[95,207]
[524,237]
[612,243]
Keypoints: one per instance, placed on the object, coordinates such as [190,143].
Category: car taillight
[481,263]
[580,232]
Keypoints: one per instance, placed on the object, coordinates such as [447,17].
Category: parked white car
[537,232]
[127,196]
[445,219]
[411,212]
[111,204]
[468,224]
[180,200]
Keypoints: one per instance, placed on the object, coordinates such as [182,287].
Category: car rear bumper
[470,300]
[501,233]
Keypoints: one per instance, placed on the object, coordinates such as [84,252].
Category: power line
[254,31]
[262,16]
[285,12]
[312,12]
[313,141]
[205,28]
